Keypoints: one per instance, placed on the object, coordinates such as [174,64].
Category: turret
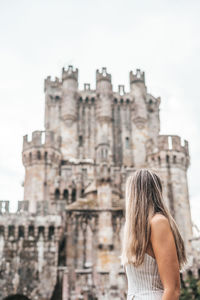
[69,91]
[103,81]
[69,112]
[104,95]
[138,92]
[138,117]
[41,159]
[153,110]
[171,160]
[137,77]
[53,95]
[104,159]
[104,107]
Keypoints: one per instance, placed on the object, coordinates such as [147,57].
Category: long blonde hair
[143,198]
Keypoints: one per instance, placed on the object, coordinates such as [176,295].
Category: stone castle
[64,241]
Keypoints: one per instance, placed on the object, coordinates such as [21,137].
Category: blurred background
[38,38]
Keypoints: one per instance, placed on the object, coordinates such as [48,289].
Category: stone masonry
[64,241]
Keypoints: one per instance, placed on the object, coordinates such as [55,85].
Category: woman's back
[144,281]
[148,220]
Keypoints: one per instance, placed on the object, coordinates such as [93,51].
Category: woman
[153,250]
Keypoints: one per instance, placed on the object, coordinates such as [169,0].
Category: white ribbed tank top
[144,281]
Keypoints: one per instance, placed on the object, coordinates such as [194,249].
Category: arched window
[51,232]
[111,247]
[101,153]
[73,195]
[189,273]
[100,246]
[80,140]
[41,230]
[159,160]
[127,142]
[31,230]
[38,155]
[174,159]
[45,155]
[167,158]
[82,192]
[11,230]
[30,157]
[1,230]
[57,194]
[105,153]
[65,194]
[21,231]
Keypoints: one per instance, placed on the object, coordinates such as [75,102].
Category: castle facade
[64,241]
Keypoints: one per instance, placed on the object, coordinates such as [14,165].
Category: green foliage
[190,288]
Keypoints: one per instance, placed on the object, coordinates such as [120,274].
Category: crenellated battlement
[4,206]
[44,148]
[121,89]
[87,87]
[41,139]
[138,76]
[169,151]
[69,73]
[103,75]
[42,208]
[22,224]
[173,143]
[51,83]
[30,227]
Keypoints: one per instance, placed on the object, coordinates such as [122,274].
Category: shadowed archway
[16,297]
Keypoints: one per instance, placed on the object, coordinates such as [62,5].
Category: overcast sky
[39,37]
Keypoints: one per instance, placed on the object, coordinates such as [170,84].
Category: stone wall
[29,254]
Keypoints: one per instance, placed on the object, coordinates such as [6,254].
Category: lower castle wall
[28,256]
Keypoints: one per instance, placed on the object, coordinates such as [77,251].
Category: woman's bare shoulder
[159,223]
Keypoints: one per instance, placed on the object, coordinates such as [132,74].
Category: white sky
[37,38]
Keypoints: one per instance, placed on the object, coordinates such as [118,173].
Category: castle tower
[153,110]
[41,159]
[139,117]
[104,114]
[122,113]
[171,160]
[53,96]
[104,160]
[69,113]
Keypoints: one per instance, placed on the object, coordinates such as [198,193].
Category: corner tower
[104,115]
[139,117]
[69,113]
[171,160]
[41,159]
